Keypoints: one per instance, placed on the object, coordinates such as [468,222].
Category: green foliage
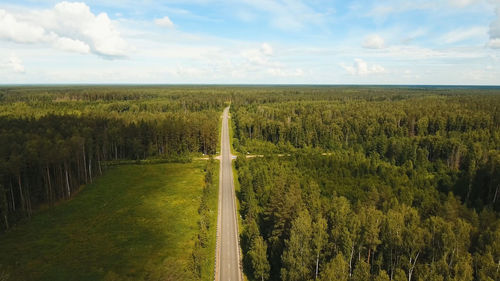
[406,180]
[297,256]
[336,269]
[354,183]
[205,243]
[382,276]
[53,140]
[258,255]
[136,222]
[361,271]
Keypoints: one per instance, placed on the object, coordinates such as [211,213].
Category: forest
[54,140]
[369,183]
[335,182]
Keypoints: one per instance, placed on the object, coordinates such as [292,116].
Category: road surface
[227,266]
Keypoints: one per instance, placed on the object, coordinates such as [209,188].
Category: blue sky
[251,41]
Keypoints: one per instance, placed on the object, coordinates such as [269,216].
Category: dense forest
[369,183]
[338,183]
[53,140]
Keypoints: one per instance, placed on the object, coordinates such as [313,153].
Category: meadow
[136,222]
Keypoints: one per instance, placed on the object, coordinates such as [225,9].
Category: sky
[419,42]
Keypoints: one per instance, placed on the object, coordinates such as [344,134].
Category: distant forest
[334,183]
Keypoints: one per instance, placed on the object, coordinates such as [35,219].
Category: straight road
[228,250]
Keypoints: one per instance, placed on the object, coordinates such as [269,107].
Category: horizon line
[249,85]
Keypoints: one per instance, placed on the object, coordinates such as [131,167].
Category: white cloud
[76,21]
[360,67]
[280,72]
[373,42]
[494,31]
[164,22]
[262,61]
[205,57]
[20,32]
[462,3]
[259,56]
[16,64]
[266,49]
[494,43]
[69,26]
[459,35]
[67,44]
[13,64]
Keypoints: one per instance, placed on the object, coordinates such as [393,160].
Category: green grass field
[137,222]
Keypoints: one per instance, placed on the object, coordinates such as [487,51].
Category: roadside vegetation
[203,254]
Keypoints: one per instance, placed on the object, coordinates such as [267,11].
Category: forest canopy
[369,183]
[335,182]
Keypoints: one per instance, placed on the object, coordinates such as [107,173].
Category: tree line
[50,147]
[201,252]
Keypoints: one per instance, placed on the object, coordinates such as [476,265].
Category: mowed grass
[136,222]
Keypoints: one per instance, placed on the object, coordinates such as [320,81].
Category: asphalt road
[227,260]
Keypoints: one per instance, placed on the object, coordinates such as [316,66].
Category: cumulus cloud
[67,44]
[361,67]
[373,42]
[164,22]
[69,26]
[20,32]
